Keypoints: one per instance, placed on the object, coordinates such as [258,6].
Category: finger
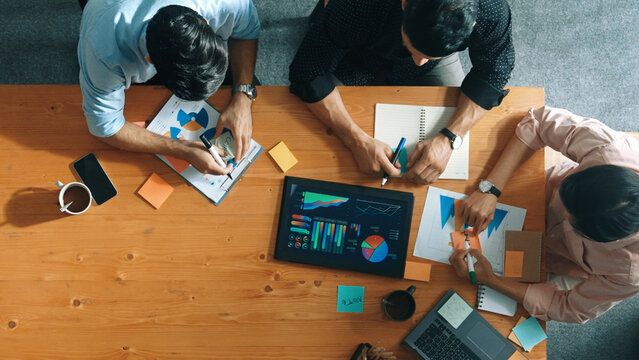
[219,128]
[483,226]
[219,150]
[412,159]
[432,175]
[239,147]
[415,170]
[388,167]
[475,253]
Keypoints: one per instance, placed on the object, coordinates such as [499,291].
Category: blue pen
[399,149]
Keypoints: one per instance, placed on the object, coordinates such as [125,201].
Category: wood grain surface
[196,281]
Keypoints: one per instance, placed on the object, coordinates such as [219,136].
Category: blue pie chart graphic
[374,249]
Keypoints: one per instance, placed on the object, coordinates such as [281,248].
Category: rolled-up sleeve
[492,55]
[333,31]
[587,300]
[247,23]
[102,93]
[574,136]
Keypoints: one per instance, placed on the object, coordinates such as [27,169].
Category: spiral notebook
[489,299]
[417,123]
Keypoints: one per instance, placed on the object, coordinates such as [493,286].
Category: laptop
[454,330]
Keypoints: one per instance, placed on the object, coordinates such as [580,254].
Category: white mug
[65,207]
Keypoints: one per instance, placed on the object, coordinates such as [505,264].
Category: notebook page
[436,118]
[394,121]
[492,300]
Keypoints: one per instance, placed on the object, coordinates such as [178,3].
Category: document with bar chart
[344,226]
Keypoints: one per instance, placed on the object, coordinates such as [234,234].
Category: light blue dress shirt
[112,49]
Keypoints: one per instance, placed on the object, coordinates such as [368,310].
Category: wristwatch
[455,141]
[487,187]
[248,89]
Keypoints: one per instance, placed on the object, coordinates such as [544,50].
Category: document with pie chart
[343,226]
[187,120]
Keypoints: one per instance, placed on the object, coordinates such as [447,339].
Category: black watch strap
[449,134]
[493,190]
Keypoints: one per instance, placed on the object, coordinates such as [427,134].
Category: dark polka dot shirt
[360,40]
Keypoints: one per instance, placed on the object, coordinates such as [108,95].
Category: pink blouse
[610,270]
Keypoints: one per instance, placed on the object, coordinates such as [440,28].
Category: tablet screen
[344,226]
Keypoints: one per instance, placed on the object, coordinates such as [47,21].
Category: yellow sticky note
[155,190]
[514,263]
[417,271]
[283,156]
[459,240]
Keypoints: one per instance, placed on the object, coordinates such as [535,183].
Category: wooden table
[195,281]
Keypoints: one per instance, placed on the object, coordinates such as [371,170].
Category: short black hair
[438,28]
[190,59]
[603,202]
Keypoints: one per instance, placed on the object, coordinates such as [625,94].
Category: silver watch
[248,89]
[486,186]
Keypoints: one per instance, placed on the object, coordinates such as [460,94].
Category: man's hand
[237,117]
[429,160]
[478,210]
[483,269]
[373,156]
[200,157]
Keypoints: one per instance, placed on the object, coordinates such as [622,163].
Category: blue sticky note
[350,298]
[529,333]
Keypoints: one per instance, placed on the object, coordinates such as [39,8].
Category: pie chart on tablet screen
[374,248]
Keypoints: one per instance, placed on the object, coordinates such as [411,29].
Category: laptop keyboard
[437,342]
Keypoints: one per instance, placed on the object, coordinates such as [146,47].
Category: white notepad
[489,299]
[416,123]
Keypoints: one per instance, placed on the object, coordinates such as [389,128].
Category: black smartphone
[94,177]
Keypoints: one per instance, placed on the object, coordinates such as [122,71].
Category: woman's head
[603,202]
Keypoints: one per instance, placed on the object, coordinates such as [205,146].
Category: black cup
[400,304]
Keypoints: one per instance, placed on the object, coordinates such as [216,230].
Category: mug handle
[59,184]
[411,289]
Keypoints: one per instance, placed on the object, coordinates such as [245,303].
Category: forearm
[466,115]
[134,138]
[332,112]
[514,289]
[513,156]
[242,55]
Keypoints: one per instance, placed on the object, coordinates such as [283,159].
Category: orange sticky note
[512,337]
[514,263]
[459,240]
[155,190]
[517,356]
[417,271]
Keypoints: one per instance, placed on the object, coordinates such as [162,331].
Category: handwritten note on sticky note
[350,298]
[455,310]
[155,190]
[514,263]
[529,333]
[417,271]
[459,239]
[283,156]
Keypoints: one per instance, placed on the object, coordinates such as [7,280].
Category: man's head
[437,28]
[190,59]
[603,202]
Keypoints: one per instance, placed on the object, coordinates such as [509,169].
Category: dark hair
[439,28]
[603,201]
[190,59]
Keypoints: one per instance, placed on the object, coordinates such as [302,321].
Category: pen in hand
[216,156]
[398,150]
[471,265]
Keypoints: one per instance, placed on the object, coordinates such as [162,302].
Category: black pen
[399,149]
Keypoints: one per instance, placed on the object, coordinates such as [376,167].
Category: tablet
[344,226]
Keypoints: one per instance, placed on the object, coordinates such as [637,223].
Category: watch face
[485,185]
[457,143]
[252,92]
